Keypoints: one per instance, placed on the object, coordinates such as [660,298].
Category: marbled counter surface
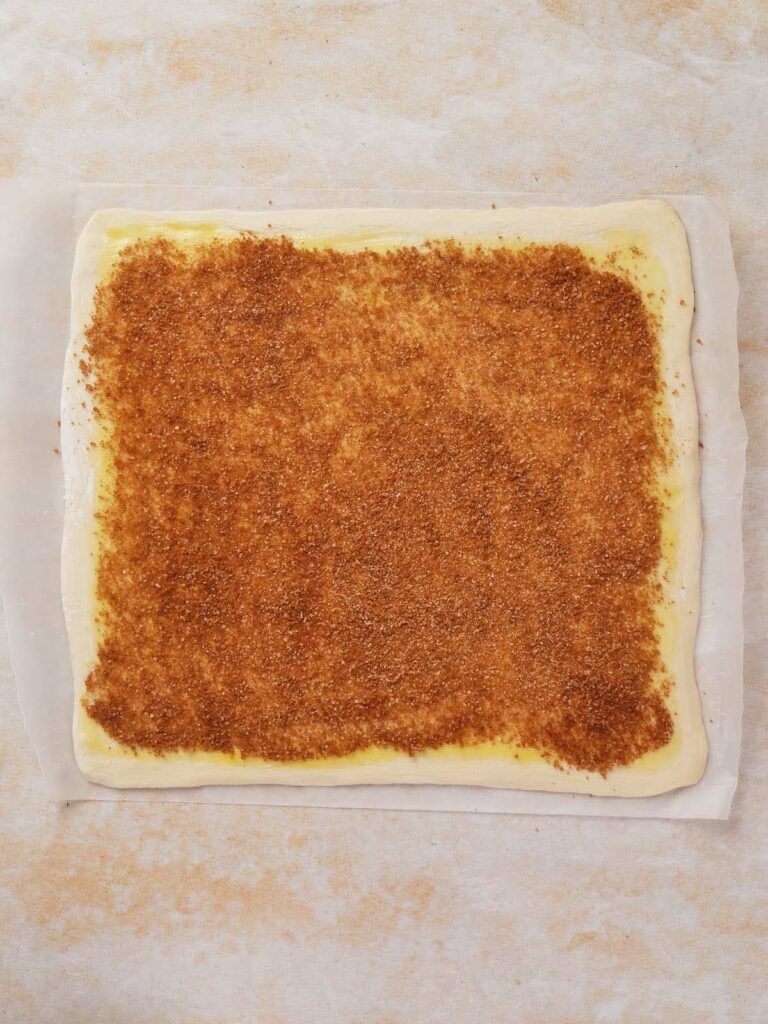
[116,913]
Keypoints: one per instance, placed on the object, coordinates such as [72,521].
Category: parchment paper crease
[41,222]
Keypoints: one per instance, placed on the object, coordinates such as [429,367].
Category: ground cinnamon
[399,499]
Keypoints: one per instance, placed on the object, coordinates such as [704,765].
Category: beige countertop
[198,914]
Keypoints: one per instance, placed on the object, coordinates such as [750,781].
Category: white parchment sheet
[40,225]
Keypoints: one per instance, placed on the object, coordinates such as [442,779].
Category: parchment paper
[41,222]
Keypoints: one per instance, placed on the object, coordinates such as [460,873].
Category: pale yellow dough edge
[652,222]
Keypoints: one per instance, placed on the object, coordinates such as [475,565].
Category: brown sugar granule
[398,499]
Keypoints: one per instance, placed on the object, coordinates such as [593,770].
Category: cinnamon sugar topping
[400,499]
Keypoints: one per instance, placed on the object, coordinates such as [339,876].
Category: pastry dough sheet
[654,228]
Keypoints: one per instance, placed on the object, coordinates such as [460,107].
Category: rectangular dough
[652,227]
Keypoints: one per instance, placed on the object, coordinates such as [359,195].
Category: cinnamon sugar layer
[377,499]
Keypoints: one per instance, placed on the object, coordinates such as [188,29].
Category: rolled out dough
[649,225]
